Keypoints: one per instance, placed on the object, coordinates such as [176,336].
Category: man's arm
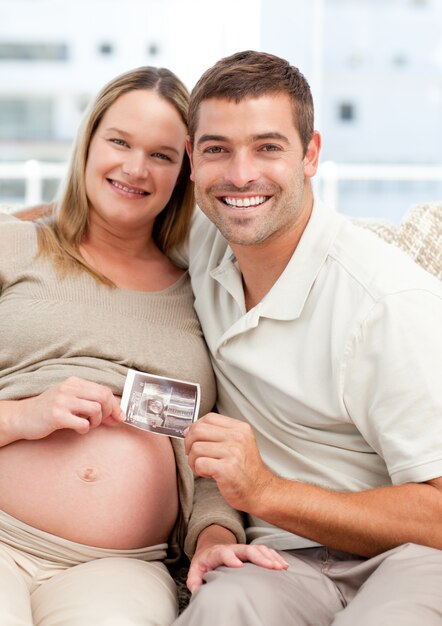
[366,523]
[35,212]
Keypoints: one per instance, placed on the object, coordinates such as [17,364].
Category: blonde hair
[61,234]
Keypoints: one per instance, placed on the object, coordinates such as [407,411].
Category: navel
[88,474]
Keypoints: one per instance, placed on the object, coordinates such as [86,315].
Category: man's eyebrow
[205,138]
[261,136]
[271,135]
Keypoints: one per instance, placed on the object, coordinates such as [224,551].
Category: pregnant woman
[90,507]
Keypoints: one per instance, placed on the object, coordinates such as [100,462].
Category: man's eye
[214,150]
[270,147]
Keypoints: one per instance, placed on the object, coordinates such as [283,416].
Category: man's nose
[242,170]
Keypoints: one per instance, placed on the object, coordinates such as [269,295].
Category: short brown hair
[251,74]
[65,230]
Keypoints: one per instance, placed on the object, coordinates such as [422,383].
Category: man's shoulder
[378,264]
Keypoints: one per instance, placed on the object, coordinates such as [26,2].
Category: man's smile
[250,201]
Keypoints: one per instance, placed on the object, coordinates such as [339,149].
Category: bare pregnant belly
[114,487]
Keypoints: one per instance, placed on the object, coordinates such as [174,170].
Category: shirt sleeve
[392,383]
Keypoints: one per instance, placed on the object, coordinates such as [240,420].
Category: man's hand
[210,555]
[225,449]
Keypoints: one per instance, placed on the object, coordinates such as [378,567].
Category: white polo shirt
[338,369]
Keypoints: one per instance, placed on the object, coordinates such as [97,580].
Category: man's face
[249,169]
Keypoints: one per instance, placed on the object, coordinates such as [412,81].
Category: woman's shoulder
[12,223]
[16,236]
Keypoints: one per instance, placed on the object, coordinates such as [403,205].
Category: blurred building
[55,54]
[375,67]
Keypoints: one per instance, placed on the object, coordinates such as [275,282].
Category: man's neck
[261,265]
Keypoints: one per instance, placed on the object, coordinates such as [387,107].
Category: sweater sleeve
[201,505]
[209,507]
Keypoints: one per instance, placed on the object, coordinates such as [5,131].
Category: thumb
[194,580]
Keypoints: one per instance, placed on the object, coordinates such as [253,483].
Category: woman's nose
[135,165]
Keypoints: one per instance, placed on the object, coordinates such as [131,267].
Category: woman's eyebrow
[127,135]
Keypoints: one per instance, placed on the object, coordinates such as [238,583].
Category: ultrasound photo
[158,404]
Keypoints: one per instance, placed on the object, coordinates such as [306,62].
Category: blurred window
[153,49]
[346,111]
[26,118]
[106,48]
[14,51]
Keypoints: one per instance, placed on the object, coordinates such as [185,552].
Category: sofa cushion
[419,234]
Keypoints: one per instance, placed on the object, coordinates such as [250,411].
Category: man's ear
[311,158]
[189,154]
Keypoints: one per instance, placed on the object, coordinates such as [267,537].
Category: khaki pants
[322,587]
[48,581]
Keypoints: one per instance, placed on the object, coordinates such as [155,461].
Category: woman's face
[134,160]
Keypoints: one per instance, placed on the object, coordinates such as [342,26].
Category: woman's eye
[119,142]
[161,155]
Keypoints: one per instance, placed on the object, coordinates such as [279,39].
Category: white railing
[330,174]
[33,173]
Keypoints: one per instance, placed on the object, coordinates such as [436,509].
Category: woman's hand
[216,546]
[75,404]
[232,555]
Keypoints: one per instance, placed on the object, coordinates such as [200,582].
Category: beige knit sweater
[52,328]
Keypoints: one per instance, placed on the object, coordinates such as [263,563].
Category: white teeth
[245,202]
[127,189]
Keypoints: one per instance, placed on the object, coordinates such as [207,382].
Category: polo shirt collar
[287,297]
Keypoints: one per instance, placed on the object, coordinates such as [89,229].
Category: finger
[238,435]
[94,392]
[111,406]
[112,422]
[117,413]
[263,556]
[194,579]
[266,561]
[274,555]
[228,558]
[211,450]
[81,425]
[202,432]
[219,420]
[90,410]
[220,469]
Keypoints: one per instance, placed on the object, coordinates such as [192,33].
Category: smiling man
[327,349]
